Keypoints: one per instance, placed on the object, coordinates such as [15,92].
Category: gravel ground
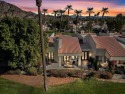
[37,81]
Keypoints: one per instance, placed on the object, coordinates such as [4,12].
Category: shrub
[79,73]
[53,72]
[17,71]
[103,75]
[66,73]
[11,72]
[40,70]
[32,71]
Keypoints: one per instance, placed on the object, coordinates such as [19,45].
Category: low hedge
[103,75]
[66,73]
[32,71]
[12,72]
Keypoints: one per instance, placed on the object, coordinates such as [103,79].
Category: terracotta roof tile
[110,44]
[69,44]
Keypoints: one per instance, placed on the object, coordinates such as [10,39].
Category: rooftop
[69,44]
[111,45]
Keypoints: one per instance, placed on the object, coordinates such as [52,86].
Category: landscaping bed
[37,81]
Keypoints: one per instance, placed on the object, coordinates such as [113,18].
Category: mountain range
[7,9]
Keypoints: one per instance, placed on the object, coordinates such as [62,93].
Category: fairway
[77,87]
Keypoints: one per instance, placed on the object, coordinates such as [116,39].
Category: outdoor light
[90,54]
[38,3]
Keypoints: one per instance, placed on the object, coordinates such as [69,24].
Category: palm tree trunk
[68,19]
[55,22]
[103,15]
[89,16]
[42,51]
[76,22]
[44,19]
[60,22]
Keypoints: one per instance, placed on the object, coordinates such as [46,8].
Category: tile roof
[110,44]
[70,45]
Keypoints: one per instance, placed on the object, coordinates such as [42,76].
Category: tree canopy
[20,42]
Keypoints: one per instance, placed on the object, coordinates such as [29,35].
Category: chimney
[58,42]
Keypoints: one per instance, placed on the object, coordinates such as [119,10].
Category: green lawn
[78,87]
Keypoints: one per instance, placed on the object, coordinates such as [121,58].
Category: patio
[56,66]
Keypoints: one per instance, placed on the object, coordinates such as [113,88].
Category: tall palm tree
[104,11]
[55,13]
[38,4]
[44,14]
[61,12]
[90,11]
[68,7]
[78,13]
[96,16]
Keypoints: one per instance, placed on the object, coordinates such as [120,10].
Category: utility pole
[38,4]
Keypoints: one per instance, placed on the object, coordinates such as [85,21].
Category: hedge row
[65,73]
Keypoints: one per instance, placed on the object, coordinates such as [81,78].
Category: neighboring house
[103,48]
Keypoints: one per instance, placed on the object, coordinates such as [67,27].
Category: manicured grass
[10,87]
[77,87]
[89,87]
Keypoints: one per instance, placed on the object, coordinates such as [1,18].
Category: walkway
[56,66]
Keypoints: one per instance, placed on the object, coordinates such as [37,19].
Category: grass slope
[10,87]
[78,87]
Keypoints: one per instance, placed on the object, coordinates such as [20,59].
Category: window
[66,58]
[73,57]
[50,55]
[85,55]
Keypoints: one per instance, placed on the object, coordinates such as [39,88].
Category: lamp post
[38,4]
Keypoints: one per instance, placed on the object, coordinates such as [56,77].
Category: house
[102,48]
[65,50]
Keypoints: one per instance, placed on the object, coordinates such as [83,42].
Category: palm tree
[61,12]
[90,11]
[68,7]
[44,14]
[96,15]
[55,13]
[38,4]
[78,13]
[104,11]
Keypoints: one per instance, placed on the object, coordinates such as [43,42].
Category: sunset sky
[115,6]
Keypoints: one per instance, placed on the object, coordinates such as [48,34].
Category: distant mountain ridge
[7,9]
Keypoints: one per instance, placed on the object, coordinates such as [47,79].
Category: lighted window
[83,55]
[64,58]
[73,57]
[49,55]
[67,58]
[52,55]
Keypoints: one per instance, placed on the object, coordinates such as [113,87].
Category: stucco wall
[100,52]
[92,45]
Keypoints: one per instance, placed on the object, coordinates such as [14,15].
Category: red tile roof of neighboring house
[70,45]
[110,44]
